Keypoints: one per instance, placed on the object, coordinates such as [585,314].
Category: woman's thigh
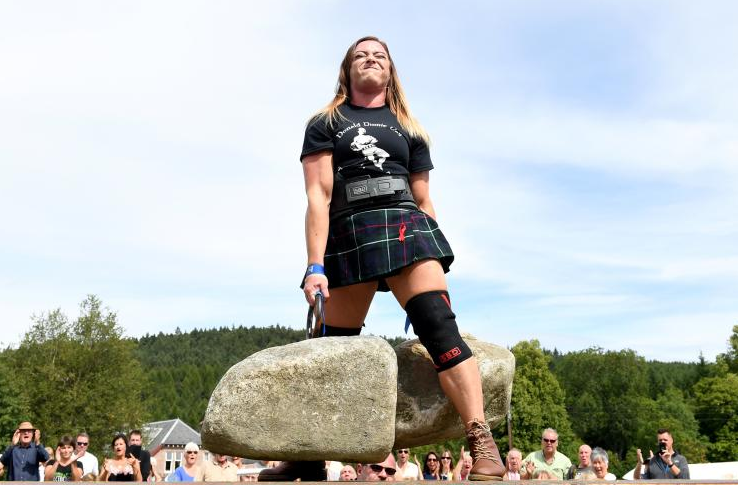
[419,277]
[347,307]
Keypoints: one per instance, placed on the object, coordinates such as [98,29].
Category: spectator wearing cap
[384,471]
[188,470]
[88,460]
[406,470]
[22,458]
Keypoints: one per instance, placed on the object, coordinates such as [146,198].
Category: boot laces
[478,434]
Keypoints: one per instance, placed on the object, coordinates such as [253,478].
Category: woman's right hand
[313,284]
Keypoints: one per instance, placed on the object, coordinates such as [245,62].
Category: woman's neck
[375,99]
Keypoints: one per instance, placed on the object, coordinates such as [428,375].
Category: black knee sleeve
[435,325]
[329,331]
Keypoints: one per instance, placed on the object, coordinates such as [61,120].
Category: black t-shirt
[369,141]
[63,472]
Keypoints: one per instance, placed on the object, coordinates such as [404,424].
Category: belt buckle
[358,190]
[372,187]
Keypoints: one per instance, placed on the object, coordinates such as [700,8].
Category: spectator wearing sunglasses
[548,459]
[88,460]
[406,470]
[22,458]
[376,472]
[447,466]
[188,470]
[431,467]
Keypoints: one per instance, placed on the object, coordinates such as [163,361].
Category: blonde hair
[395,95]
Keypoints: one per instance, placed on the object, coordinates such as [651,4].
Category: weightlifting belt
[364,191]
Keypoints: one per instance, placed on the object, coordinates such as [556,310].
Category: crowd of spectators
[26,459]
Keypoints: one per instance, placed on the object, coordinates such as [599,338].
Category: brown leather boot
[289,471]
[485,455]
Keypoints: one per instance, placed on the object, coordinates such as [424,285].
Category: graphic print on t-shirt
[367,145]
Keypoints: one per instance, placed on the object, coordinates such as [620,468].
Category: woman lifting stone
[371,226]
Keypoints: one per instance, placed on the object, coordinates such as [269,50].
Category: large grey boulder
[329,398]
[424,414]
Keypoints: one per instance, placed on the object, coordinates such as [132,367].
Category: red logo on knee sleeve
[455,352]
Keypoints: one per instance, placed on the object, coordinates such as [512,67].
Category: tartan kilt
[374,244]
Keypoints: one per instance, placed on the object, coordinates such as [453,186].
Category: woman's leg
[461,383]
[347,307]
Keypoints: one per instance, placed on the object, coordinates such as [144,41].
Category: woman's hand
[313,284]
[57,454]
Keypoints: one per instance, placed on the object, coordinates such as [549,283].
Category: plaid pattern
[374,244]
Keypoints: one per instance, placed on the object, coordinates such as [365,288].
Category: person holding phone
[668,464]
[22,458]
[123,467]
[64,467]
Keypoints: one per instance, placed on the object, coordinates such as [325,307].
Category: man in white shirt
[405,469]
[88,460]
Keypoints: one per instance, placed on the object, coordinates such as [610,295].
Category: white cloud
[149,155]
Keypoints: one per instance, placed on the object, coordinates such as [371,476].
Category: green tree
[80,375]
[716,405]
[13,406]
[603,394]
[730,358]
[537,402]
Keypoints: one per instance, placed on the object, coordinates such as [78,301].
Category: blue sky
[586,162]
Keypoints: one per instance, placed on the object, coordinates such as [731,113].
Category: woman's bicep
[317,169]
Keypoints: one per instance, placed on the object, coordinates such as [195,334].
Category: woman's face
[600,468]
[190,457]
[446,459]
[119,448]
[370,66]
[66,451]
[432,462]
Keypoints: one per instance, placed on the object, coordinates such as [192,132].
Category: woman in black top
[370,225]
[64,467]
[123,467]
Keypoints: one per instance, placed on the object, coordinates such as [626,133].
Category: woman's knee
[435,325]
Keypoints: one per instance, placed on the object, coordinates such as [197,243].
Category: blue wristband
[314,268]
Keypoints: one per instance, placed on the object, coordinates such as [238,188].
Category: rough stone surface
[424,414]
[330,398]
